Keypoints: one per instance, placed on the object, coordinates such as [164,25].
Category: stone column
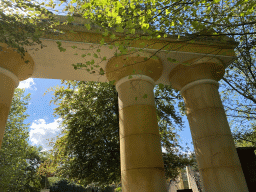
[216,155]
[142,168]
[12,70]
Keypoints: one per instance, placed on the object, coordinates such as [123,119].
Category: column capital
[135,77]
[119,67]
[199,68]
[11,60]
[11,75]
[197,82]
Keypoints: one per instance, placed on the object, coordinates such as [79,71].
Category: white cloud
[27,84]
[164,150]
[178,152]
[40,132]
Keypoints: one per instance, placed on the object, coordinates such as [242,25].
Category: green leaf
[155,57]
[83,55]
[59,43]
[62,49]
[71,31]
[102,41]
[70,19]
[161,86]
[105,33]
[145,96]
[118,19]
[119,29]
[136,98]
[59,46]
[113,36]
[102,72]
[104,58]
[75,67]
[129,77]
[95,55]
[98,50]
[112,82]
[132,31]
[172,60]
[186,64]
[88,26]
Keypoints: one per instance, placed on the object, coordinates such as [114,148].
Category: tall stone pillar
[215,150]
[12,70]
[142,168]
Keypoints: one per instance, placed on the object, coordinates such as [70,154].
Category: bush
[64,186]
[119,189]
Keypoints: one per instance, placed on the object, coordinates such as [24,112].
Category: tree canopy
[23,23]
[18,160]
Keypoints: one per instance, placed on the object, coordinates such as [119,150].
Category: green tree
[89,151]
[16,173]
[239,83]
[33,182]
[45,170]
[22,23]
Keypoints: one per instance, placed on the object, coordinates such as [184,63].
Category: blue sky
[43,125]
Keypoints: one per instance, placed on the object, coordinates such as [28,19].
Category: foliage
[17,158]
[245,138]
[22,23]
[127,21]
[118,189]
[89,150]
[163,17]
[33,180]
[239,84]
[64,186]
